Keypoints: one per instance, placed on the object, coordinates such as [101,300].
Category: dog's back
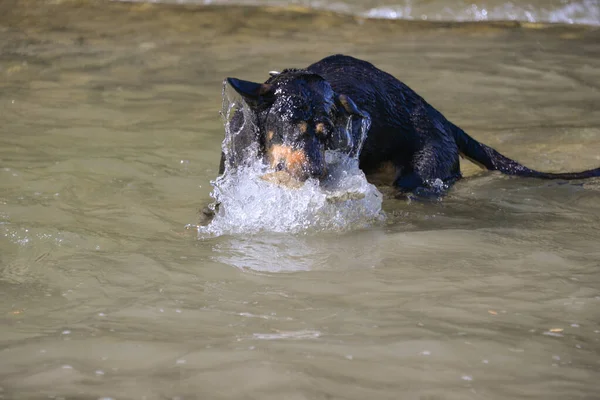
[408,132]
[402,122]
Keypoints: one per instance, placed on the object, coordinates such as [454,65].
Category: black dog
[300,113]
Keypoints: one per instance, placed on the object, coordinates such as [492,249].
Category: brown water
[110,134]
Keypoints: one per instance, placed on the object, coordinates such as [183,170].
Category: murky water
[110,135]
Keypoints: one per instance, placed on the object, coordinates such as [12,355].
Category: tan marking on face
[295,160]
[270,135]
[320,128]
[303,126]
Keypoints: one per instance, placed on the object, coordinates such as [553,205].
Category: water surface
[110,135]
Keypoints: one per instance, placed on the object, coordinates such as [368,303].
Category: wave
[586,12]
[582,12]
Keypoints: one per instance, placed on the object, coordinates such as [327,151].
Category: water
[109,138]
[553,11]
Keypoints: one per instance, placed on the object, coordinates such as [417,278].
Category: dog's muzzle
[300,163]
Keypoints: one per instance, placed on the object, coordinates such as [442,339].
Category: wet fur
[406,132]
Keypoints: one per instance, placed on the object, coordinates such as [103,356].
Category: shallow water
[110,135]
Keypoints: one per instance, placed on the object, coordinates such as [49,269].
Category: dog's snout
[298,162]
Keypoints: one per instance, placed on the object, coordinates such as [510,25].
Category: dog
[298,114]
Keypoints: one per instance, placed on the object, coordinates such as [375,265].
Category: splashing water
[250,204]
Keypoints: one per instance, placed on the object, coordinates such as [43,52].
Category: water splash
[248,203]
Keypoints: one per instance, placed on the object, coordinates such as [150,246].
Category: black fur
[405,130]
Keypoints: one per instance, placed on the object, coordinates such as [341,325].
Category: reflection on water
[269,253]
[110,135]
[290,253]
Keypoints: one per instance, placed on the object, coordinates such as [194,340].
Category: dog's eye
[321,129]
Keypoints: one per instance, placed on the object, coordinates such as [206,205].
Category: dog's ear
[252,92]
[345,102]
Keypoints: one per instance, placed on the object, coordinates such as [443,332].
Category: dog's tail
[489,158]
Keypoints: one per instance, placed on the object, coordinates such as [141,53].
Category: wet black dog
[300,113]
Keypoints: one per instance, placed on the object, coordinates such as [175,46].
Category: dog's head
[299,116]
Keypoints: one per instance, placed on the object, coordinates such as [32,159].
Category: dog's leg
[434,165]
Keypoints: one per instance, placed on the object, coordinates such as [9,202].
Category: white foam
[249,204]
